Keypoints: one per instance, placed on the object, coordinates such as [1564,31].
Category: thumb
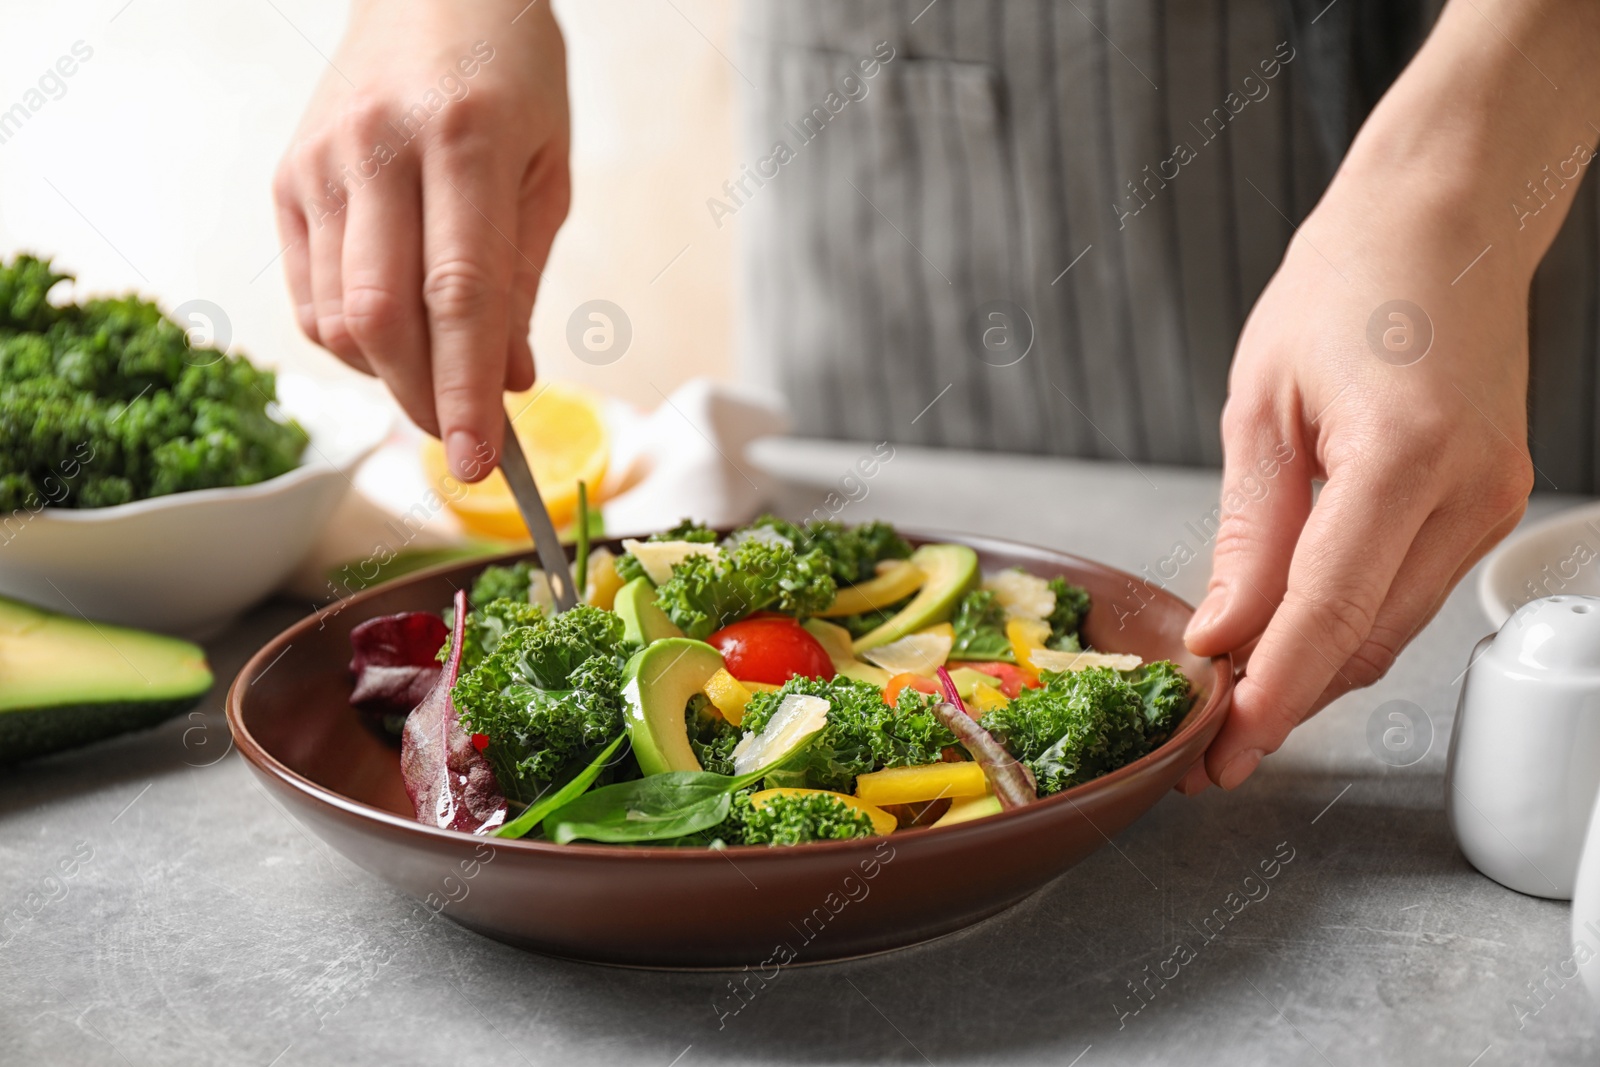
[1266,497]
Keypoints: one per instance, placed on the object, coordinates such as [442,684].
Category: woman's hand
[1425,462]
[1388,356]
[419,201]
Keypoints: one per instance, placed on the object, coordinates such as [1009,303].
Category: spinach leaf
[657,808]
[534,813]
[661,807]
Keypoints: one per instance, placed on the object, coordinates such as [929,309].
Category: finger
[519,350]
[541,208]
[382,295]
[326,234]
[519,355]
[468,214]
[1448,546]
[1266,496]
[296,251]
[1340,576]
[1195,780]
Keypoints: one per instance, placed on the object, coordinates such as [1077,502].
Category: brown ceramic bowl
[694,907]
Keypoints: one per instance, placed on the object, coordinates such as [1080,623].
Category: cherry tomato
[771,649]
[1012,678]
[891,692]
[480,741]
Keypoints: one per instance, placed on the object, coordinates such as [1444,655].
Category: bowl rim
[1492,570]
[319,465]
[1196,721]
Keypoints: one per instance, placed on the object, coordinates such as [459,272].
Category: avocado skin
[27,733]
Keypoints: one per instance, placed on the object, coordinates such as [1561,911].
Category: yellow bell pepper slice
[882,821]
[912,785]
[602,582]
[986,698]
[728,695]
[1027,636]
[895,584]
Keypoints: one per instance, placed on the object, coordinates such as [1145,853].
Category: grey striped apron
[986,240]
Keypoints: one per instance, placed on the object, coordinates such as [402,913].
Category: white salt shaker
[1524,765]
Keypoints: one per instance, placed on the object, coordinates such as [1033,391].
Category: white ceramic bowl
[1556,556]
[189,562]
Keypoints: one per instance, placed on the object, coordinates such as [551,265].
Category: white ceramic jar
[1524,764]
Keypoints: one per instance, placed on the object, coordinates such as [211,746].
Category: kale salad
[783,684]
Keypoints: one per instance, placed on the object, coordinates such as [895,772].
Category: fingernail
[1239,768]
[1209,612]
[461,450]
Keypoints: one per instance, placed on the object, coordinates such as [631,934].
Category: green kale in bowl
[106,401]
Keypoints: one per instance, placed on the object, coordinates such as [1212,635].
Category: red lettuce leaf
[395,660]
[1012,782]
[448,780]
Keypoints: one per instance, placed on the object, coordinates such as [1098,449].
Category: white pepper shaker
[1524,765]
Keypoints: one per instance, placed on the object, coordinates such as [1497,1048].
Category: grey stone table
[201,925]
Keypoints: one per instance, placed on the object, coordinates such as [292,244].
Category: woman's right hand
[418,204]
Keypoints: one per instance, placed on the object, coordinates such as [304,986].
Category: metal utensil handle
[551,555]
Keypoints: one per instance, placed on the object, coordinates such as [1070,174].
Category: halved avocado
[656,686]
[952,570]
[642,621]
[65,682]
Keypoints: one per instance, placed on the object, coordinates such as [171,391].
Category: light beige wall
[653,132]
[152,171]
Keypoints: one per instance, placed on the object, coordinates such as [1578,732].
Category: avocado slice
[657,683]
[642,621]
[951,571]
[965,809]
[894,585]
[65,682]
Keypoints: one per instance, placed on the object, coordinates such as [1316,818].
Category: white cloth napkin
[686,458]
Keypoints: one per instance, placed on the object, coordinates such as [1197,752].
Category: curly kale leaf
[785,819]
[980,625]
[25,285]
[1165,694]
[547,697]
[704,594]
[629,567]
[1082,724]
[487,626]
[710,735]
[790,819]
[863,733]
[853,552]
[687,530]
[1072,607]
[502,583]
